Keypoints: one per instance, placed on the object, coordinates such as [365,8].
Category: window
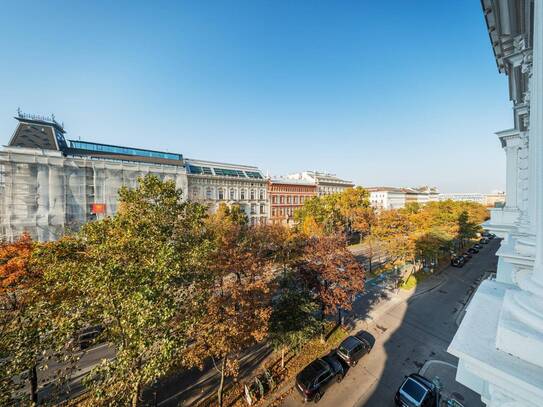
[288,199]
[242,195]
[195,192]
[274,199]
[262,208]
[221,194]
[253,209]
[274,211]
[232,194]
[209,193]
[295,198]
[253,195]
[281,199]
[261,195]
[83,145]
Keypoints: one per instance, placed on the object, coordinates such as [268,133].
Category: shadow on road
[422,328]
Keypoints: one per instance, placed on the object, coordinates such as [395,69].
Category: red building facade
[287,195]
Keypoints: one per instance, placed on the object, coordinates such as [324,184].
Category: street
[408,334]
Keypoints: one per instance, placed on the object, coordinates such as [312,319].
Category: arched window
[209,193]
[232,194]
[221,194]
[242,194]
[261,195]
[253,195]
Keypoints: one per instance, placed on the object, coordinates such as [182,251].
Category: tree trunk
[33,374]
[339,315]
[322,323]
[283,358]
[136,395]
[221,385]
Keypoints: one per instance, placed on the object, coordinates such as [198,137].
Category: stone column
[512,165]
[520,329]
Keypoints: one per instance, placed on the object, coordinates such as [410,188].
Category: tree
[365,221]
[321,216]
[330,271]
[393,230]
[238,307]
[292,321]
[353,205]
[140,275]
[20,329]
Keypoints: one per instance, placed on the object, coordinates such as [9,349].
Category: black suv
[318,376]
[416,391]
[353,348]
[473,250]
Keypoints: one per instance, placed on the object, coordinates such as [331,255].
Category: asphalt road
[408,334]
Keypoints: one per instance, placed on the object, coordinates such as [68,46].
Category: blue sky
[380,92]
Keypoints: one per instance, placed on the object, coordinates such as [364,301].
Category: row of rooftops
[45,133]
[403,190]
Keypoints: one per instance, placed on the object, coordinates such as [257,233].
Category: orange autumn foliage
[15,273]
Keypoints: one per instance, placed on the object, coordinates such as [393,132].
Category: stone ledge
[481,364]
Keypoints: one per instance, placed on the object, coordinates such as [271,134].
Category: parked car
[473,250]
[86,336]
[458,261]
[353,348]
[320,374]
[483,240]
[477,246]
[416,391]
[491,236]
[485,233]
[467,255]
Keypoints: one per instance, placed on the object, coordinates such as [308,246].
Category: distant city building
[50,184]
[287,195]
[493,199]
[463,196]
[214,183]
[327,184]
[387,197]
[396,198]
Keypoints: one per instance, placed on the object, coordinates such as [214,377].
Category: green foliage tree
[141,275]
[292,321]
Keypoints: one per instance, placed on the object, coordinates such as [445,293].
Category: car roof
[349,343]
[314,369]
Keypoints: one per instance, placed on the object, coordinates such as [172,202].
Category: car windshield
[413,391]
[310,373]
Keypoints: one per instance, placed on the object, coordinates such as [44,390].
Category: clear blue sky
[380,92]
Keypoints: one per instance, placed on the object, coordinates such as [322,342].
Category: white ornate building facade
[500,341]
[327,184]
[214,183]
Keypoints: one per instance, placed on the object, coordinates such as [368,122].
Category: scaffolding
[48,195]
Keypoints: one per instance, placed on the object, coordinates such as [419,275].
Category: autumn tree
[20,325]
[238,306]
[321,216]
[393,230]
[330,271]
[138,274]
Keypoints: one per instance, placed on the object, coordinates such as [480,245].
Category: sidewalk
[451,389]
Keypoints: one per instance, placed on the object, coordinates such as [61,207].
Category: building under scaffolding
[50,185]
